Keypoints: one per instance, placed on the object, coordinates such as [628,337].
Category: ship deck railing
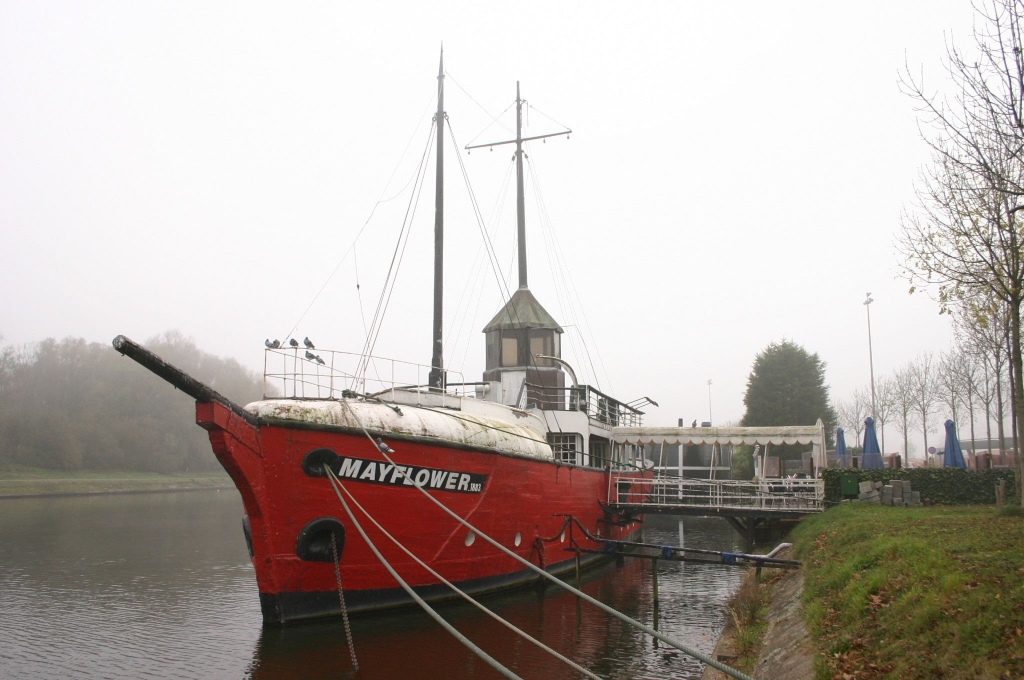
[676,495]
[288,374]
[585,399]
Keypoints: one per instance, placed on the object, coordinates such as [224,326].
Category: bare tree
[967,368]
[948,384]
[884,404]
[903,405]
[924,386]
[861,404]
[964,240]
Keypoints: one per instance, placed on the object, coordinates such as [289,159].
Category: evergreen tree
[787,386]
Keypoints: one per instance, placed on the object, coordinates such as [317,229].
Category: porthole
[470,538]
[519,537]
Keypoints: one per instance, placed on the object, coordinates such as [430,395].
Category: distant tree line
[72,405]
[969,384]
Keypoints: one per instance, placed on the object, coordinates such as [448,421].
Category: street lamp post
[709,402]
[871,358]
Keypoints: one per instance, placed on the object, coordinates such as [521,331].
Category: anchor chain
[341,599]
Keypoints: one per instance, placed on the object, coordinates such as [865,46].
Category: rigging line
[476,315]
[476,258]
[420,174]
[495,220]
[495,268]
[363,228]
[488,659]
[686,649]
[561,267]
[375,323]
[529,105]
[494,119]
[388,279]
[565,268]
[401,256]
[506,295]
[559,293]
[479,274]
[460,593]
[489,427]
[359,296]
[362,314]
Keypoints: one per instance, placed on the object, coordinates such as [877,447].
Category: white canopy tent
[733,436]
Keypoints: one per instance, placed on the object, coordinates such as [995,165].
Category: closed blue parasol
[872,454]
[842,457]
[954,454]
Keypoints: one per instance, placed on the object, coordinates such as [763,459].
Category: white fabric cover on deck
[813,434]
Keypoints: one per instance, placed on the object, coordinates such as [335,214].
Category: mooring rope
[334,479]
[341,599]
[488,659]
[686,649]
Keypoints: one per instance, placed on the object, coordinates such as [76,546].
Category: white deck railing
[769,495]
[289,373]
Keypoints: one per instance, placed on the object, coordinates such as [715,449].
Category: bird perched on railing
[309,345]
[314,357]
[293,342]
[384,448]
[272,345]
[319,360]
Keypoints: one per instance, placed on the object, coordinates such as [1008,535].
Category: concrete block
[915,497]
[878,485]
[865,487]
[906,488]
[897,492]
[887,500]
[896,484]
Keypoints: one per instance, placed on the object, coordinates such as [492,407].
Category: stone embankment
[786,650]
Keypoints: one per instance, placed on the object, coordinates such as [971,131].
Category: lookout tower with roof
[517,335]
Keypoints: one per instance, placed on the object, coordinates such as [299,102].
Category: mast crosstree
[520,200]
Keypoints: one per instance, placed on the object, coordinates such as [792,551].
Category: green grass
[20,480]
[935,592]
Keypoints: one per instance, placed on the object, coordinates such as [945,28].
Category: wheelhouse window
[509,352]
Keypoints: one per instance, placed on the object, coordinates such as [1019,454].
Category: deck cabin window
[509,351]
[566,447]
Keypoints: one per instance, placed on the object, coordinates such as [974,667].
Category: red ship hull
[519,501]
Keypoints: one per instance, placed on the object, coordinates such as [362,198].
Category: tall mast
[520,200]
[436,379]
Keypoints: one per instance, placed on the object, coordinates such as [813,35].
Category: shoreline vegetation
[933,592]
[18,481]
[914,592]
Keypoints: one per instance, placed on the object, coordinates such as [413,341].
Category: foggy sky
[735,176]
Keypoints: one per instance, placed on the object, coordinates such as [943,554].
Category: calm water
[160,586]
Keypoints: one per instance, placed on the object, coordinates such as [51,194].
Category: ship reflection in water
[159,585]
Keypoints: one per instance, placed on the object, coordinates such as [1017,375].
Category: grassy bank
[935,592]
[19,480]
[747,610]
